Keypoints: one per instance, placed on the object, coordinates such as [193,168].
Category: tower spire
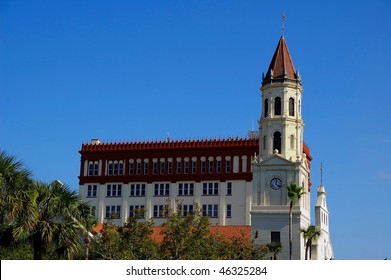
[321,173]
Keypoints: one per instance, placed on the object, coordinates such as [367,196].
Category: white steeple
[322,247]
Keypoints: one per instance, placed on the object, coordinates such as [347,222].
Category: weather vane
[283,22]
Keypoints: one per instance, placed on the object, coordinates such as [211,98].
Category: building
[214,174]
[234,181]
[283,159]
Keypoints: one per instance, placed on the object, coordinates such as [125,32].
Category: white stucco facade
[233,207]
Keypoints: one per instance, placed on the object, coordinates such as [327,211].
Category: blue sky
[137,70]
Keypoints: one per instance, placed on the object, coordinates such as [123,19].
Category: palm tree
[52,219]
[294,193]
[14,180]
[90,224]
[275,248]
[310,234]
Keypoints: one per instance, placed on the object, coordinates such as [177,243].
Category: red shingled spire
[281,67]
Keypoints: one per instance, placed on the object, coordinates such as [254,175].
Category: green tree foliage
[274,248]
[188,237]
[52,219]
[131,241]
[48,216]
[242,248]
[14,180]
[310,234]
[17,251]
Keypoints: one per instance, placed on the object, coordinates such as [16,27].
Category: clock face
[276,183]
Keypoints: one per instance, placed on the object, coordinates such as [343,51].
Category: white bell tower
[283,157]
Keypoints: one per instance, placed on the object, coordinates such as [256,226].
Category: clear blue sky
[135,70]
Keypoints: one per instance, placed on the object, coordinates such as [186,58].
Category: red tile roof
[225,231]
[281,67]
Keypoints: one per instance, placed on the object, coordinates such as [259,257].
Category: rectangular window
[185,209]
[160,211]
[131,168]
[113,212]
[137,211]
[114,190]
[229,211]
[137,190]
[228,166]
[210,188]
[210,210]
[186,167]
[178,167]
[169,167]
[194,166]
[91,190]
[186,189]
[275,236]
[210,166]
[229,188]
[154,168]
[218,166]
[138,168]
[203,166]
[162,189]
[162,167]
[146,168]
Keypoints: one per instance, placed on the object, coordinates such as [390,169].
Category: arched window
[277,106]
[90,168]
[291,107]
[277,141]
[96,168]
[264,143]
[121,168]
[110,168]
[266,108]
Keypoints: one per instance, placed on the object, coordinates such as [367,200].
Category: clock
[276,183]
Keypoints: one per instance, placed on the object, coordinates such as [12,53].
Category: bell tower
[283,158]
[281,124]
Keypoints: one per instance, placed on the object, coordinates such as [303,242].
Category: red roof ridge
[171,144]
